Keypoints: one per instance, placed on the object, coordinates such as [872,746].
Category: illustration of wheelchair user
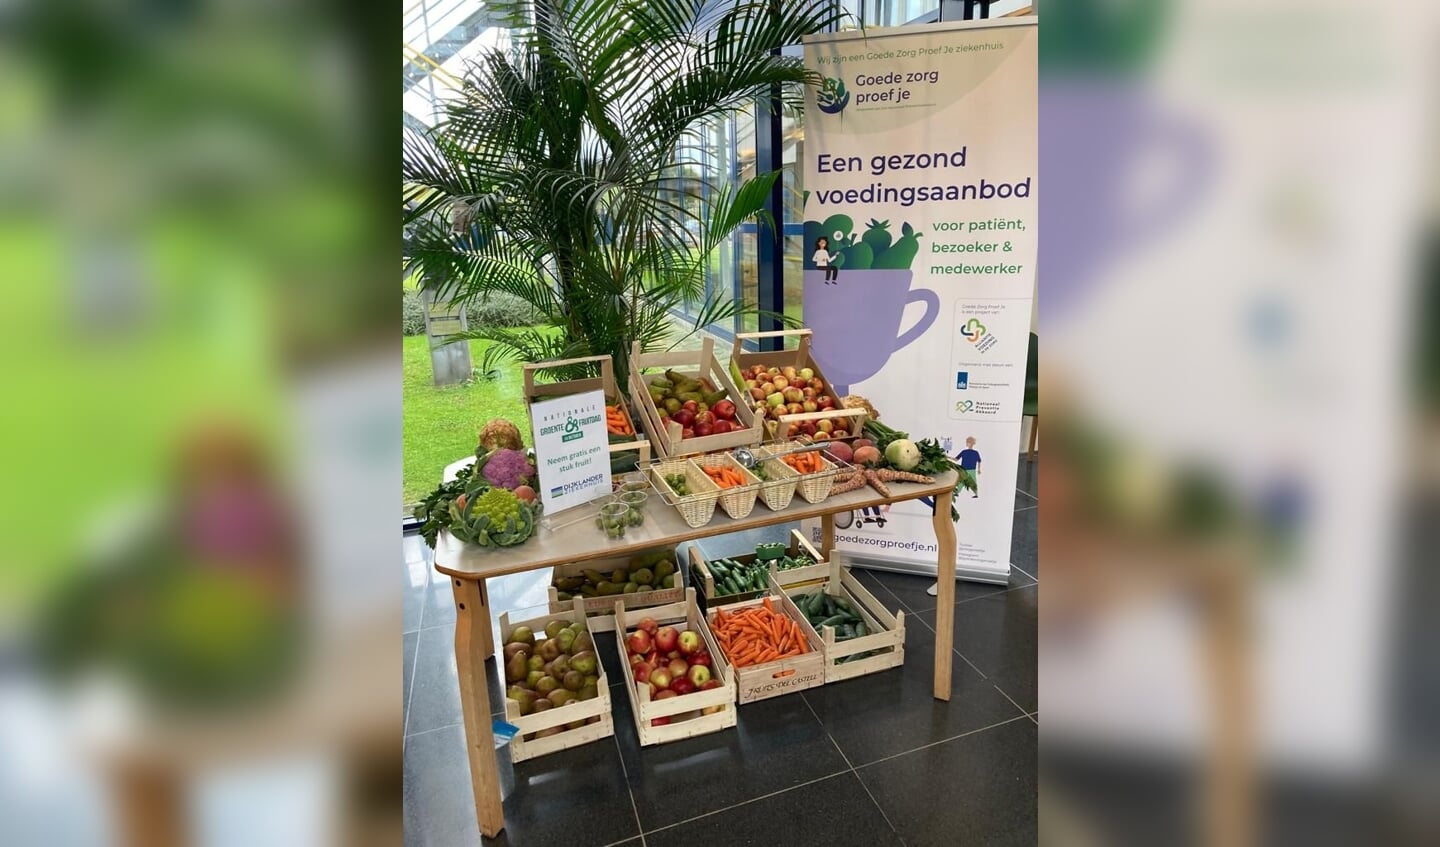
[860,517]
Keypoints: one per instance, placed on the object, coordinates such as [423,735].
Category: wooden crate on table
[848,423]
[665,435]
[620,441]
[886,631]
[782,676]
[601,608]
[703,579]
[595,713]
[684,615]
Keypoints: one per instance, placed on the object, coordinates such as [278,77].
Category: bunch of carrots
[616,423]
[755,635]
[724,477]
[804,462]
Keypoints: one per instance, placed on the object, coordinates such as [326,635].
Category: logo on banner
[833,98]
[976,333]
[962,380]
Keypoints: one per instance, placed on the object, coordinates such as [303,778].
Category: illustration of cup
[1093,136]
[857,326]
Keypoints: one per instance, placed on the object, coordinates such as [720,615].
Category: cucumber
[846,631]
[844,605]
[861,630]
[833,620]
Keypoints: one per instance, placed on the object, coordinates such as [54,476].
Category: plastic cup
[635,502]
[613,519]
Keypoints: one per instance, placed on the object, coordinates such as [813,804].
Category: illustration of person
[823,258]
[969,460]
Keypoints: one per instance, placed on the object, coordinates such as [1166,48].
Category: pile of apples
[788,391]
[673,663]
[698,420]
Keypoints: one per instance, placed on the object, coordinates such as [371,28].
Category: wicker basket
[779,489]
[740,500]
[697,507]
[814,487]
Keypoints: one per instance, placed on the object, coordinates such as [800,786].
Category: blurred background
[1238,371]
[200,435]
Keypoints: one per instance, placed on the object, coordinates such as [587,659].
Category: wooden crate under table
[887,631]
[520,749]
[682,615]
[704,582]
[782,676]
[601,610]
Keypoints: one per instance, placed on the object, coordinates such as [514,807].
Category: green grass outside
[442,424]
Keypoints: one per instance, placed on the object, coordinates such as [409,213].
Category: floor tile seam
[1027,573]
[748,802]
[411,735]
[1026,508]
[1019,717]
[1022,709]
[954,650]
[849,764]
[410,695]
[634,808]
[1027,494]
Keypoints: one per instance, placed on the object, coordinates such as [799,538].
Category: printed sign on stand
[572,452]
[921,184]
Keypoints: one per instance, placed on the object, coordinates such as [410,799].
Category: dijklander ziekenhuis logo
[832,98]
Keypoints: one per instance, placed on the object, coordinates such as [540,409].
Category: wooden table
[469,566]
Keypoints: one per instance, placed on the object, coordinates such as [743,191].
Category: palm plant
[558,172]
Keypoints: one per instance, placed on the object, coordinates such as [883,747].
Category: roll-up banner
[920,246]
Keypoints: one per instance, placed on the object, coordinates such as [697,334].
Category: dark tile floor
[871,761]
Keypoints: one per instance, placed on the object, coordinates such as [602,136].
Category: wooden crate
[782,676]
[613,396]
[887,631]
[602,609]
[704,582]
[683,615]
[693,363]
[520,749]
[848,422]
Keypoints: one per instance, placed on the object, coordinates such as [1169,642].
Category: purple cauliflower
[506,468]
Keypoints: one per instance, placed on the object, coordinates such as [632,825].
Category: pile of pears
[557,671]
[646,572]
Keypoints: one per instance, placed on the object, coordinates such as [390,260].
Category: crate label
[504,732]
[775,686]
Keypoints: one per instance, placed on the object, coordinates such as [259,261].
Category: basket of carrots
[769,649]
[683,485]
[815,471]
[616,421]
[738,487]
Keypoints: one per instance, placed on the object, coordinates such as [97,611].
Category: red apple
[825,401]
[661,678]
[701,657]
[756,371]
[642,672]
[638,641]
[649,625]
[725,410]
[704,429]
[690,642]
[698,675]
[684,417]
[809,393]
[636,659]
[713,683]
[691,406]
[666,639]
[678,667]
[704,418]
[721,426]
[816,383]
[687,432]
[682,685]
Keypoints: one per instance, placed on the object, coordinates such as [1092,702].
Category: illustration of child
[969,460]
[823,258]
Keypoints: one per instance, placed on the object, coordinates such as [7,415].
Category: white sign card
[572,454]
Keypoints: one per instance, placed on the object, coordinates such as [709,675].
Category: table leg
[472,637]
[944,594]
[151,805]
[486,625]
[827,535]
